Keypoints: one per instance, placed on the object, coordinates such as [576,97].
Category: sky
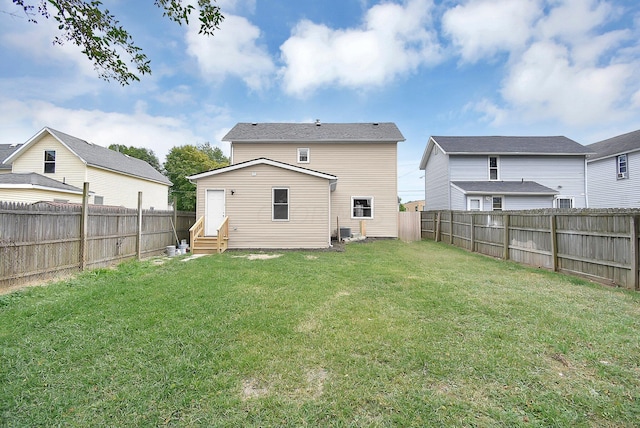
[468,67]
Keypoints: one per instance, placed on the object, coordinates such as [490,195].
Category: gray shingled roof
[36,180]
[511,145]
[5,151]
[504,187]
[323,132]
[624,143]
[99,156]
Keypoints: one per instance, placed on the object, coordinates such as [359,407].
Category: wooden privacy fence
[45,240]
[409,226]
[602,245]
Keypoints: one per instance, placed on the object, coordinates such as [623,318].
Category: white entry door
[214,212]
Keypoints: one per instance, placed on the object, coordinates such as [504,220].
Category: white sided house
[504,173]
[293,185]
[53,166]
[614,172]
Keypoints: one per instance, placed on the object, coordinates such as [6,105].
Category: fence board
[42,241]
[600,244]
[409,226]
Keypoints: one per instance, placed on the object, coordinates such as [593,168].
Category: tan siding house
[51,160]
[359,160]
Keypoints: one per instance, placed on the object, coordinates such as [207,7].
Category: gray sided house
[293,185]
[504,173]
[614,172]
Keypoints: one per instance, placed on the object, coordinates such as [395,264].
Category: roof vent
[375,123]
[254,124]
[317,122]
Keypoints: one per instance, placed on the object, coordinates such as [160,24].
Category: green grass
[383,334]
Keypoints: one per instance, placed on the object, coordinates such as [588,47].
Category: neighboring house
[53,165]
[614,172]
[504,173]
[414,206]
[5,151]
[292,185]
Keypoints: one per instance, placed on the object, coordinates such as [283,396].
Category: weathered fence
[409,226]
[602,245]
[46,240]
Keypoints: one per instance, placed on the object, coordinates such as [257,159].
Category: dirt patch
[258,256]
[251,388]
[315,381]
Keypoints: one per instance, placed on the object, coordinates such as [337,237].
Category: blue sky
[473,67]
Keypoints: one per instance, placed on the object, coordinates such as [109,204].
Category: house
[295,185]
[414,205]
[5,151]
[614,172]
[53,166]
[504,173]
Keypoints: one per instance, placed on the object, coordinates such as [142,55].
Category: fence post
[473,234]
[450,227]
[437,232]
[554,243]
[505,222]
[84,219]
[139,234]
[634,253]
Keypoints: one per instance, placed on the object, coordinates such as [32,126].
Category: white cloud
[36,42]
[393,40]
[483,28]
[545,84]
[232,51]
[563,65]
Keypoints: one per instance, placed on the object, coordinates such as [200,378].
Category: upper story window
[362,207]
[303,155]
[280,204]
[622,167]
[49,161]
[493,168]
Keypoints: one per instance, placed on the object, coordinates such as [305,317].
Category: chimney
[317,122]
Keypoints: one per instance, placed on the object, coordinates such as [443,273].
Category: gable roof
[625,143]
[557,145]
[98,156]
[35,181]
[314,132]
[5,151]
[264,161]
[503,188]
[504,145]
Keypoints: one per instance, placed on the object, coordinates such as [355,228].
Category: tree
[92,27]
[188,160]
[139,153]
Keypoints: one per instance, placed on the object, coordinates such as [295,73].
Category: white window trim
[308,154]
[474,198]
[501,202]
[353,198]
[558,197]
[497,168]
[46,162]
[619,174]
[273,203]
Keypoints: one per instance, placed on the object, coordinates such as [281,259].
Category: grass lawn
[382,334]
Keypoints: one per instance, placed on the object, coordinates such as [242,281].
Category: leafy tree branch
[89,25]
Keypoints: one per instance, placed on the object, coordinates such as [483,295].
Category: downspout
[586,184]
[329,216]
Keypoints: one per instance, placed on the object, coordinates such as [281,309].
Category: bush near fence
[598,244]
[46,240]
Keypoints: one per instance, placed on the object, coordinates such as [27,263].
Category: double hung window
[49,161]
[362,207]
[280,204]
